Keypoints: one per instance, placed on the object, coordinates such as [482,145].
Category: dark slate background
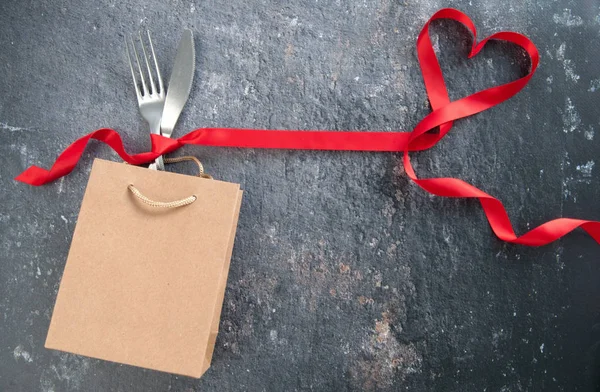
[345,276]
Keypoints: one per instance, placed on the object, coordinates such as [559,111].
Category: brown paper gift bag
[144,285]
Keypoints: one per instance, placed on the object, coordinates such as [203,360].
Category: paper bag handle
[190,158]
[175,203]
[161,204]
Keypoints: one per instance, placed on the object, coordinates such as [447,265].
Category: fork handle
[159,163]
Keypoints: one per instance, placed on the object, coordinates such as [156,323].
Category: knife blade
[180,83]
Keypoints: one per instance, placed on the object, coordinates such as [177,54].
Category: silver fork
[150,101]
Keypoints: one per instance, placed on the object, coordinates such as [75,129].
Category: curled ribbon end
[35,176]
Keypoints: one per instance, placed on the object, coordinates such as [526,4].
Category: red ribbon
[443,114]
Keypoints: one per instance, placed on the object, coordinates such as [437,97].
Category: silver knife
[180,83]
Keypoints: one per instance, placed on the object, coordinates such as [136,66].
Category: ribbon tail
[35,176]
[67,160]
[444,112]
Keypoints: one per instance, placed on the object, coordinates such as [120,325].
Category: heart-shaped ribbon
[443,114]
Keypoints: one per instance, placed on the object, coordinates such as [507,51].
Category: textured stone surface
[345,276]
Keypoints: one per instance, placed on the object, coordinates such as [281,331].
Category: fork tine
[157,69]
[137,60]
[147,64]
[135,83]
